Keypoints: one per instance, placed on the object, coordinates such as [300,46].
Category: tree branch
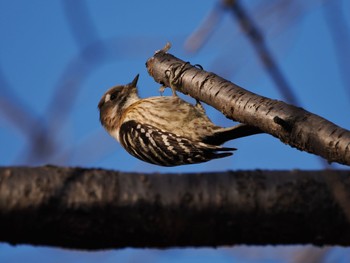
[292,125]
[258,42]
[99,209]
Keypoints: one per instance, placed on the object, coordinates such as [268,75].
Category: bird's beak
[134,82]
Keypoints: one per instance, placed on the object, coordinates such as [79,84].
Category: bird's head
[115,101]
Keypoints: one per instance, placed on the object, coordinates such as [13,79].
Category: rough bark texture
[292,125]
[98,209]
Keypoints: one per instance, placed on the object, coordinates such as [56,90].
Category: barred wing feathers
[156,146]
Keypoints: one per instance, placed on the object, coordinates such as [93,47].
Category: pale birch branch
[292,125]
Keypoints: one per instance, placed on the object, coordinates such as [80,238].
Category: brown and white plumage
[163,130]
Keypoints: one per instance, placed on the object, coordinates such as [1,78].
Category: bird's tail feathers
[226,134]
[221,155]
[220,152]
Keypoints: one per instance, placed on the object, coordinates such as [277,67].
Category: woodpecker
[162,130]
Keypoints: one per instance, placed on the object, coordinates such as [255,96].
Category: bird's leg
[174,76]
[169,73]
[165,49]
[199,106]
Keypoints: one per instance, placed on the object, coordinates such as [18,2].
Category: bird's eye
[112,97]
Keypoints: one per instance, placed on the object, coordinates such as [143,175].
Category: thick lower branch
[98,209]
[292,125]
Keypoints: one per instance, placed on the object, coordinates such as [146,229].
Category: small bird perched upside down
[162,130]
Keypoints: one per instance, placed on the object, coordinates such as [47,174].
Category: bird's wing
[164,148]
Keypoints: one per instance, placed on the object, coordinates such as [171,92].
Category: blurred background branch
[101,209]
[258,42]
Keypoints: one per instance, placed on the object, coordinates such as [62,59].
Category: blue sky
[39,53]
